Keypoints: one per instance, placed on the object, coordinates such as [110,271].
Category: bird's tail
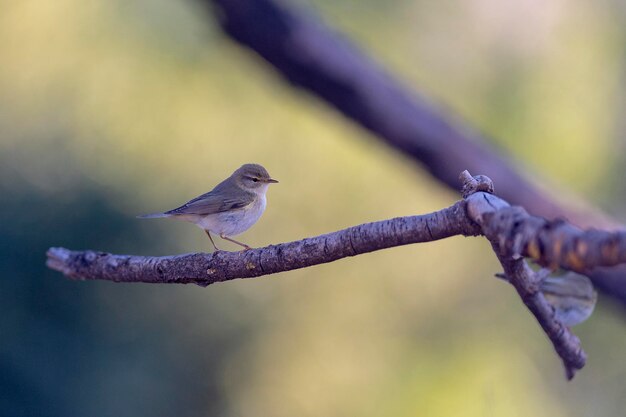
[153,216]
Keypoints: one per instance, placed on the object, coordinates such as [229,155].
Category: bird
[229,209]
[571,295]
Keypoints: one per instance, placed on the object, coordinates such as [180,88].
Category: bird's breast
[234,222]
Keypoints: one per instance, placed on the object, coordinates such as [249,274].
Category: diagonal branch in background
[511,231]
[322,62]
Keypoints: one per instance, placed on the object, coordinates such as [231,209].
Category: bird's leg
[245,247]
[211,239]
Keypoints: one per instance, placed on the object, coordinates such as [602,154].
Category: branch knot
[474,184]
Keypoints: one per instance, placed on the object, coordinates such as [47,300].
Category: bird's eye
[255,179]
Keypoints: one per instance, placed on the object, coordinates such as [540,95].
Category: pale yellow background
[109,109]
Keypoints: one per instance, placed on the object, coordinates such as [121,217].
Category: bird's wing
[573,285]
[212,202]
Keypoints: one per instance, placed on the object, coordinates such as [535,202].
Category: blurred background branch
[315,58]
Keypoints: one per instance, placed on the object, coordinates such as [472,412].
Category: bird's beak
[271,181]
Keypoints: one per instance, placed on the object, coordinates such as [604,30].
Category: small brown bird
[229,209]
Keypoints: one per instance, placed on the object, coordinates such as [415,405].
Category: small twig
[527,283]
[472,185]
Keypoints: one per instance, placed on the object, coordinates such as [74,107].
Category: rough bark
[208,268]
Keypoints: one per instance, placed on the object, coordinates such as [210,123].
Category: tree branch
[512,232]
[313,57]
[527,284]
[208,268]
[499,223]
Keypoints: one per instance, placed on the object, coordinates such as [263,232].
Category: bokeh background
[109,109]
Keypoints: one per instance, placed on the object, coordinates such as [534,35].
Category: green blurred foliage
[109,109]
